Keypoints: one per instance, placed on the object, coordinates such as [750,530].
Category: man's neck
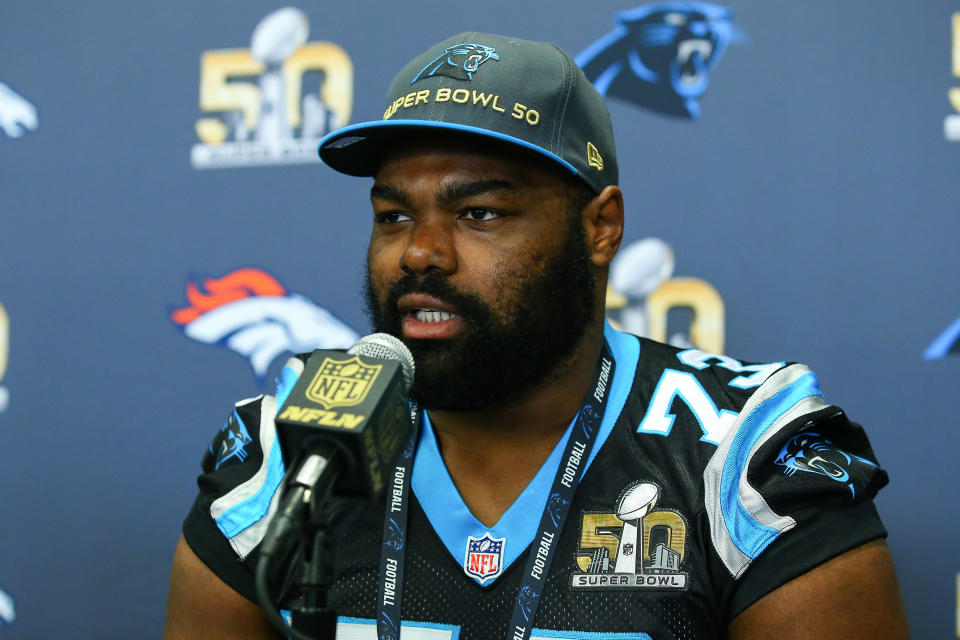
[494,453]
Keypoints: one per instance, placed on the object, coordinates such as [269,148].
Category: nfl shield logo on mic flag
[484,559]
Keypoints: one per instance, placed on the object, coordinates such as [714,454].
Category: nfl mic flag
[356,402]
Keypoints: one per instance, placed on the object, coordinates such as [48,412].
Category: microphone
[345,421]
[356,403]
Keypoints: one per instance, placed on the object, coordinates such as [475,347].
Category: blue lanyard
[395,539]
[542,549]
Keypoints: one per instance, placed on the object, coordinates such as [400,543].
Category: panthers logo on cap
[459,61]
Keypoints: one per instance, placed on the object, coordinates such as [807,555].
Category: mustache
[438,286]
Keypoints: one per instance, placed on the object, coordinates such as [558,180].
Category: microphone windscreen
[386,347]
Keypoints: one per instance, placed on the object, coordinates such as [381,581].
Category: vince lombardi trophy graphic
[637,501]
[636,272]
[274,39]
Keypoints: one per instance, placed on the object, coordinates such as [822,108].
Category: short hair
[578,193]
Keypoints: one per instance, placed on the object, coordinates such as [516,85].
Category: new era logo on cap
[594,159]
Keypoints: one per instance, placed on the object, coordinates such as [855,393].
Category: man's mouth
[425,317]
[432,315]
[431,324]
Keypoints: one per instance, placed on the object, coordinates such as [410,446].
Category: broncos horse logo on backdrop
[659,56]
[460,61]
[252,313]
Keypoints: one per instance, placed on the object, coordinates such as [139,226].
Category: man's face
[476,263]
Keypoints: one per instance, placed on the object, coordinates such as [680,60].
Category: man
[569,481]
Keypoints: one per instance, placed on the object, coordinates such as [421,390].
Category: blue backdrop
[790,171]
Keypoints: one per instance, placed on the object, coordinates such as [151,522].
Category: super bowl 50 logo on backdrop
[951,124]
[645,299]
[272,119]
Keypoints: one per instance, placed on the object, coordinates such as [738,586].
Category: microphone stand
[305,508]
[315,616]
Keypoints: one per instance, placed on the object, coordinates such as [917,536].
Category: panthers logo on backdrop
[659,56]
[642,293]
[947,343]
[251,313]
[268,118]
[459,61]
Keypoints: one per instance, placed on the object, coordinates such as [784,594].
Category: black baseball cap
[530,94]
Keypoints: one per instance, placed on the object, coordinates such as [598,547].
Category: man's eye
[480,215]
[390,217]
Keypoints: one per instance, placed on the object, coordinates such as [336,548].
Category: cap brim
[357,149]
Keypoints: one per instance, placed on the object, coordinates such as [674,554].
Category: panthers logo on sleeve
[659,56]
[812,453]
[233,438]
[459,61]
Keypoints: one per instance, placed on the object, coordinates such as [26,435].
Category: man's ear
[603,223]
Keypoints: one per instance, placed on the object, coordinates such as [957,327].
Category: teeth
[429,315]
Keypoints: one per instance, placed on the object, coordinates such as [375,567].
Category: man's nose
[431,246]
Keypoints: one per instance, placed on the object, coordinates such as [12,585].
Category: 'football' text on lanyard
[544,545]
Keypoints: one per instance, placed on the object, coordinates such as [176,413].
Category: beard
[537,322]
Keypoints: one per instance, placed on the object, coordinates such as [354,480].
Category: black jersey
[711,483]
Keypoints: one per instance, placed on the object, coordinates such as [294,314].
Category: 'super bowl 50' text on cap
[530,94]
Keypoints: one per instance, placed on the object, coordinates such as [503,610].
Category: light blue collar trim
[451,518]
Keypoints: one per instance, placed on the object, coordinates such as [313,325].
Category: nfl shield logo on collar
[484,558]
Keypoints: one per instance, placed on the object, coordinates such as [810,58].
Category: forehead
[433,158]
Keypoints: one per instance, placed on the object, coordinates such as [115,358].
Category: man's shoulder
[246,433]
[691,372]
[753,446]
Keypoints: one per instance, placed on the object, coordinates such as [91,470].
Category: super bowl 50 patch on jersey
[637,547]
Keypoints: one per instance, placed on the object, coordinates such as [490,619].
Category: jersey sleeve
[789,487]
[239,487]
